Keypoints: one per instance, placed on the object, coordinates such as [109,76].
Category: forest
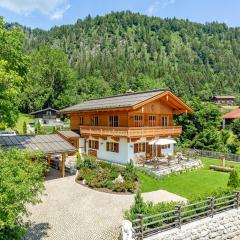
[119,51]
[110,54]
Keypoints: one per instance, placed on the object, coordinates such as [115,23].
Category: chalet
[224,100]
[229,117]
[47,116]
[119,128]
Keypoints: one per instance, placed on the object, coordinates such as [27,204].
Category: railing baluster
[178,215]
[237,198]
[140,216]
[211,205]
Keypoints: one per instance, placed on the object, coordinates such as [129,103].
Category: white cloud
[60,12]
[55,9]
[159,4]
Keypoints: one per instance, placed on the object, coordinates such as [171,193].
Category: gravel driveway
[71,211]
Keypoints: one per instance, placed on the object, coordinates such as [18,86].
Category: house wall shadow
[55,174]
[37,231]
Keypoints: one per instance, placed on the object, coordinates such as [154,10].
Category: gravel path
[71,211]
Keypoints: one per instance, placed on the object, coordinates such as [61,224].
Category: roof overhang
[170,99]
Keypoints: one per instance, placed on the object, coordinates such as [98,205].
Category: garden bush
[99,174]
[148,208]
[233,180]
[21,181]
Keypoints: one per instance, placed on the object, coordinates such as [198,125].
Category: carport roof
[49,143]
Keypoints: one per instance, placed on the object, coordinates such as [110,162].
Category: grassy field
[191,183]
[21,119]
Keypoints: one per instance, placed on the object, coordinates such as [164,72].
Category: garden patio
[76,211]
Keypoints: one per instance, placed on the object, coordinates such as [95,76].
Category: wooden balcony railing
[131,132]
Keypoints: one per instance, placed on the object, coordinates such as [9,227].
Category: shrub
[137,208]
[118,187]
[130,186]
[90,162]
[21,181]
[24,127]
[79,162]
[233,180]
[130,172]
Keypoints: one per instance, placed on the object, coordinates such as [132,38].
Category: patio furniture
[140,160]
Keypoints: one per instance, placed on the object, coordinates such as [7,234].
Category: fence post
[211,205]
[178,215]
[140,216]
[237,198]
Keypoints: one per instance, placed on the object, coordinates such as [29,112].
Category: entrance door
[151,151]
[92,153]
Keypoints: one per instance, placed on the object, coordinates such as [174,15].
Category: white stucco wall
[82,146]
[126,150]
[167,151]
[120,157]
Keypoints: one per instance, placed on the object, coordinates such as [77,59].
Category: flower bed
[103,175]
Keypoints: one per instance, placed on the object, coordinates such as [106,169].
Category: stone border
[172,170]
[104,190]
[225,225]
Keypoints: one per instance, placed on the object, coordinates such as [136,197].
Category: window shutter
[117,147]
[107,146]
[143,147]
[97,145]
[135,147]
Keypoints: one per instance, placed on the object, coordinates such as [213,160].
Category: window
[138,121]
[81,121]
[165,146]
[164,121]
[139,147]
[95,121]
[113,121]
[93,144]
[112,147]
[48,113]
[152,121]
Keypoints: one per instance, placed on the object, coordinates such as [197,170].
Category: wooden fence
[149,225]
[212,154]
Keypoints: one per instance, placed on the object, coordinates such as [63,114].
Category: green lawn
[191,183]
[21,119]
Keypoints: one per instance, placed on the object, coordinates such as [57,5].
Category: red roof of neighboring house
[233,114]
[224,97]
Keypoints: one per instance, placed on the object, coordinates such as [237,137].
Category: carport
[49,144]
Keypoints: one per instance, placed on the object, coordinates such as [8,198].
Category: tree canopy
[13,69]
[21,180]
[128,50]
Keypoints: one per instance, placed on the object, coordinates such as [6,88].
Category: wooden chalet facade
[118,128]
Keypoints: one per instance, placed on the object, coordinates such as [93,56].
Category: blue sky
[48,13]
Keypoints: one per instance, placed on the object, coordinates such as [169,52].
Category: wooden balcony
[130,132]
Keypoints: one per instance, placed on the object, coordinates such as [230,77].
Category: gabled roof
[43,110]
[48,144]
[233,114]
[128,100]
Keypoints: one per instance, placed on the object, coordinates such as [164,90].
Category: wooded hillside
[123,50]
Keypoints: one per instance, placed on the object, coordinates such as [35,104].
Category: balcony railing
[131,132]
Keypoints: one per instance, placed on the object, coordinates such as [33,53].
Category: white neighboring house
[7,133]
[120,128]
[48,117]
